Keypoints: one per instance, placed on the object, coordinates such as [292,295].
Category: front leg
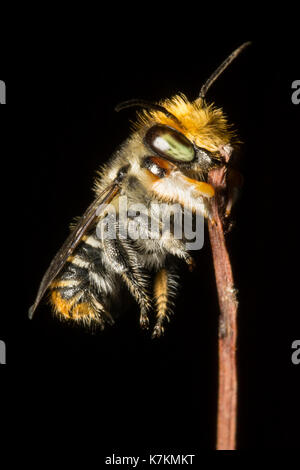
[177,248]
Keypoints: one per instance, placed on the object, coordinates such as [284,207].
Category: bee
[166,160]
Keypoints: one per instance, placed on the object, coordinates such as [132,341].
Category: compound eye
[169,143]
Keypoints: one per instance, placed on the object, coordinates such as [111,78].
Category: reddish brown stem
[227,392]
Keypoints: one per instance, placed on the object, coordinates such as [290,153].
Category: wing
[93,211]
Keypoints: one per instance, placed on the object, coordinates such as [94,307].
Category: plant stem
[227,388]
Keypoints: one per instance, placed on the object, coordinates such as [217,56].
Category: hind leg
[165,286]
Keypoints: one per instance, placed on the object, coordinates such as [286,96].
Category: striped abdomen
[83,289]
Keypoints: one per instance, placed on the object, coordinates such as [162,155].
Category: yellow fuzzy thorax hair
[203,124]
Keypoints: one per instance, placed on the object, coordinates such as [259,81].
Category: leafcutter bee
[166,160]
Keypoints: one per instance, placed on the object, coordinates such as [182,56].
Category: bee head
[189,134]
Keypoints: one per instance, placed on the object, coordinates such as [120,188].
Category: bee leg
[122,257]
[165,286]
[177,248]
[190,262]
[137,284]
[144,320]
[234,184]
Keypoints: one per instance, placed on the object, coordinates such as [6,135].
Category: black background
[119,391]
